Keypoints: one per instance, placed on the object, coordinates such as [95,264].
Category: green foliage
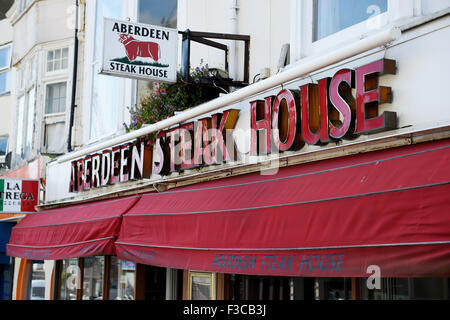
[140,63]
[166,99]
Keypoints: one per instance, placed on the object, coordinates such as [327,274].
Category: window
[3,146]
[25,124]
[95,278]
[33,75]
[4,82]
[409,289]
[30,122]
[55,98]
[331,16]
[5,58]
[122,279]
[6,275]
[68,280]
[159,13]
[105,102]
[36,289]
[24,4]
[107,96]
[246,287]
[20,125]
[57,59]
[318,26]
[54,135]
[332,289]
[202,286]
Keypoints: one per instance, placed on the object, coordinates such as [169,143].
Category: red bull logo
[139,51]
[135,48]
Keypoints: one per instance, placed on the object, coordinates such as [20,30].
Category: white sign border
[101,69]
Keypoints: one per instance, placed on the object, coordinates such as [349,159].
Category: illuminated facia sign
[323,112]
[313,114]
[18,196]
[140,51]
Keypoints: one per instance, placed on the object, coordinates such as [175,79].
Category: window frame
[60,70]
[8,64]
[106,283]
[25,94]
[211,275]
[21,8]
[302,27]
[128,92]
[60,113]
[30,279]
[52,77]
[3,157]
[7,68]
[359,28]
[27,115]
[56,117]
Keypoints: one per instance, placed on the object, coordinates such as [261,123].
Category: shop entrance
[245,287]
[5,281]
[154,283]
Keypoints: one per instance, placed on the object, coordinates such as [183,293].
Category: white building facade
[359,48]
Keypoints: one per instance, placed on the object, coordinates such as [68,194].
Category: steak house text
[314,114]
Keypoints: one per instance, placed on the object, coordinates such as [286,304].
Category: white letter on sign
[374,281]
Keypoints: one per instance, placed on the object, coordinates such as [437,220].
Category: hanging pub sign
[18,196]
[311,114]
[139,51]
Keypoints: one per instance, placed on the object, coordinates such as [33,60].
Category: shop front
[323,187]
[311,231]
[19,194]
[5,263]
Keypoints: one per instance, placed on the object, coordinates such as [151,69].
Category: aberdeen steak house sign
[314,114]
[140,51]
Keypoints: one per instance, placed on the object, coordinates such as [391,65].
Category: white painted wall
[432,6]
[45,25]
[6,36]
[419,89]
[7,31]
[266,21]
[44,21]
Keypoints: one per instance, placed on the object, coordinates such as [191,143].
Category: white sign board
[140,51]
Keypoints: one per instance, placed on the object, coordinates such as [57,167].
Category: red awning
[331,218]
[70,232]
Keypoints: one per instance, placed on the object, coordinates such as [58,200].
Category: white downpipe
[233,29]
[299,70]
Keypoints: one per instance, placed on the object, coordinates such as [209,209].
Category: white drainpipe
[296,71]
[233,29]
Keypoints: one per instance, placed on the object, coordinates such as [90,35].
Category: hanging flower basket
[166,99]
